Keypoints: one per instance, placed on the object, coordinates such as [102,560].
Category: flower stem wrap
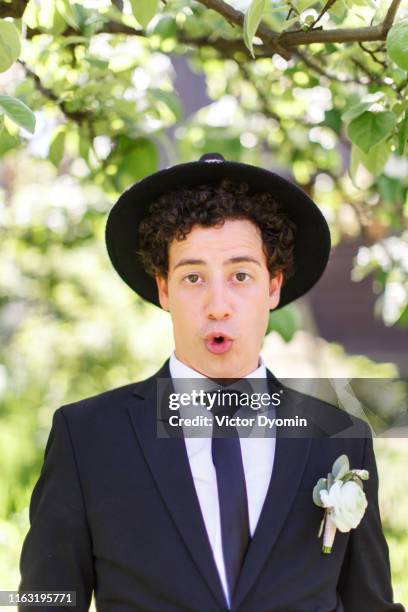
[328,534]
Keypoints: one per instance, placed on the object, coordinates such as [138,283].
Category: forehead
[234,236]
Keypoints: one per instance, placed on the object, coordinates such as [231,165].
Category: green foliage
[369,129]
[397,43]
[10,48]
[10,45]
[144,10]
[252,20]
[18,112]
[285,322]
[338,118]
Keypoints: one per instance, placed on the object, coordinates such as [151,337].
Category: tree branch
[390,16]
[313,65]
[324,10]
[77,116]
[235,17]
[273,42]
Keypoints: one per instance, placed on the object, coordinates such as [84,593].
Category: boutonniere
[342,496]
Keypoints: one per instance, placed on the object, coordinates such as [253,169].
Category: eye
[192,278]
[241,276]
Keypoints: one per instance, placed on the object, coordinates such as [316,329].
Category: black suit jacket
[115,511]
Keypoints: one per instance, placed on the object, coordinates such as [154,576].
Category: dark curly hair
[174,213]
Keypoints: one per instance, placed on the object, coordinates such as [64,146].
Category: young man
[205,524]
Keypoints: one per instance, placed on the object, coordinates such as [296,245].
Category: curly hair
[174,213]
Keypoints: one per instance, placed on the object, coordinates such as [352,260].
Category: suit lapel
[290,459]
[168,461]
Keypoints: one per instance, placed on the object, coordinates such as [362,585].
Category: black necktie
[232,495]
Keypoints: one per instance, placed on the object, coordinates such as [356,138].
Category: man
[156,523]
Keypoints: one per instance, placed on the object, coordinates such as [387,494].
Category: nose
[218,305]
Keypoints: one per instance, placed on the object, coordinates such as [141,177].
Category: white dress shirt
[257,457]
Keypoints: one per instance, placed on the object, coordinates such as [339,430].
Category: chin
[223,366]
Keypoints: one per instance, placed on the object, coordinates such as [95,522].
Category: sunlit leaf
[67,11]
[18,112]
[10,46]
[368,129]
[403,134]
[252,20]
[56,151]
[144,10]
[365,104]
[397,43]
[374,160]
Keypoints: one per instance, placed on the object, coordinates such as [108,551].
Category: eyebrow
[201,262]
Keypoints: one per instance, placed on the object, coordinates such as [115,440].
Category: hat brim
[312,243]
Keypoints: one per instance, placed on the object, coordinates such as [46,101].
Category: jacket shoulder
[110,402]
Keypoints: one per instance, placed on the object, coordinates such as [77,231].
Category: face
[219,293]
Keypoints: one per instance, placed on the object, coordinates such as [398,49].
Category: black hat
[312,241]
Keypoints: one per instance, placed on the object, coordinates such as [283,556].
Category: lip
[218,348]
[215,334]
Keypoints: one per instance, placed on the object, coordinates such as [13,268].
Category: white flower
[347,503]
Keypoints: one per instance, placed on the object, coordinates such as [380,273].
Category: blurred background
[98,94]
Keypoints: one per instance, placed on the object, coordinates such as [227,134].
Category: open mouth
[218,343]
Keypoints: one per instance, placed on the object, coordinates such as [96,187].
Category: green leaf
[68,12]
[18,112]
[370,128]
[135,159]
[332,118]
[391,189]
[144,10]
[59,25]
[399,107]
[8,142]
[403,134]
[97,62]
[320,485]
[285,322]
[84,146]
[302,5]
[363,105]
[252,20]
[397,43]
[374,161]
[10,46]
[338,10]
[164,26]
[56,150]
[340,467]
[169,99]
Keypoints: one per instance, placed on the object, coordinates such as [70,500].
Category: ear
[163,292]
[275,285]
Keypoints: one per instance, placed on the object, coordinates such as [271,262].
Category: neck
[223,372]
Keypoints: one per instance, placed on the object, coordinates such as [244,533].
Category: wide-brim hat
[312,241]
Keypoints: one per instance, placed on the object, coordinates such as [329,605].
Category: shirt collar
[178,369]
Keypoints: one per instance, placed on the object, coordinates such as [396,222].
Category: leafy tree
[318,87]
